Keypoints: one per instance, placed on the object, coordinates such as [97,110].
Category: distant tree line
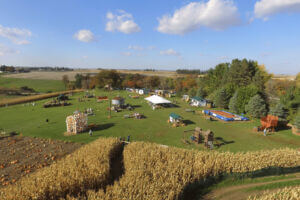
[11,69]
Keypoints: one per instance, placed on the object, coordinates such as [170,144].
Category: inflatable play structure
[225,116]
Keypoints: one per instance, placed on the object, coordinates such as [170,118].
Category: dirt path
[237,192]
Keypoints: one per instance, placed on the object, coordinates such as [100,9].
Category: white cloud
[6,50]
[151,47]
[135,47]
[126,53]
[215,14]
[170,52]
[265,8]
[122,22]
[84,36]
[16,35]
[140,48]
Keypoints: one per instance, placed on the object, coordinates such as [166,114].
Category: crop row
[156,172]
[34,98]
[86,168]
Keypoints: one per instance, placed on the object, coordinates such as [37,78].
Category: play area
[142,123]
[224,115]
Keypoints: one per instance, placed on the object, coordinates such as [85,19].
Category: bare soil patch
[20,156]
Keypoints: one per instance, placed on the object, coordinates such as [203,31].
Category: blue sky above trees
[157,34]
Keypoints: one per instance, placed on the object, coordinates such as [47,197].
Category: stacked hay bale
[76,123]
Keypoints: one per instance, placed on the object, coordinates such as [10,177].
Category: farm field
[234,136]
[71,74]
[42,86]
[20,156]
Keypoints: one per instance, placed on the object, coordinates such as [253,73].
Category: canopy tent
[155,100]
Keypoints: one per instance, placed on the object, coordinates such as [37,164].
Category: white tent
[155,99]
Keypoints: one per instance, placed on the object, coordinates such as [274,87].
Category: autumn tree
[108,77]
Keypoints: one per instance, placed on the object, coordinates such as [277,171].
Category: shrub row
[34,98]
[86,168]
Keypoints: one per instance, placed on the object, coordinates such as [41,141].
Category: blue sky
[157,34]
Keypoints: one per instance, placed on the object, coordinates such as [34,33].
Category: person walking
[90,132]
[128,138]
[265,132]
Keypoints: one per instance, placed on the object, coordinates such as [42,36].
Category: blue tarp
[235,118]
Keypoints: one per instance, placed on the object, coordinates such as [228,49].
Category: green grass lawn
[31,121]
[42,86]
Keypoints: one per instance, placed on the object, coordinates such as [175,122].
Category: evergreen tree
[221,98]
[280,111]
[192,92]
[201,93]
[78,80]
[241,98]
[233,103]
[297,120]
[256,107]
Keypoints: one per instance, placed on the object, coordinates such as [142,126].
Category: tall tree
[65,80]
[78,81]
[280,111]
[108,77]
[241,98]
[256,107]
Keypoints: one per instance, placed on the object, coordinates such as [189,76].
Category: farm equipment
[269,123]
[62,97]
[101,99]
[115,108]
[55,103]
[135,115]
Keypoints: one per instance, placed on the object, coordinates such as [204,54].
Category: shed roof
[198,98]
[175,116]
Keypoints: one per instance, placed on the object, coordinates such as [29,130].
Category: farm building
[174,118]
[118,101]
[224,115]
[77,123]
[200,102]
[156,100]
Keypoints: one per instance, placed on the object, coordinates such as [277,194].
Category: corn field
[86,168]
[34,98]
[155,172]
[288,193]
[152,172]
